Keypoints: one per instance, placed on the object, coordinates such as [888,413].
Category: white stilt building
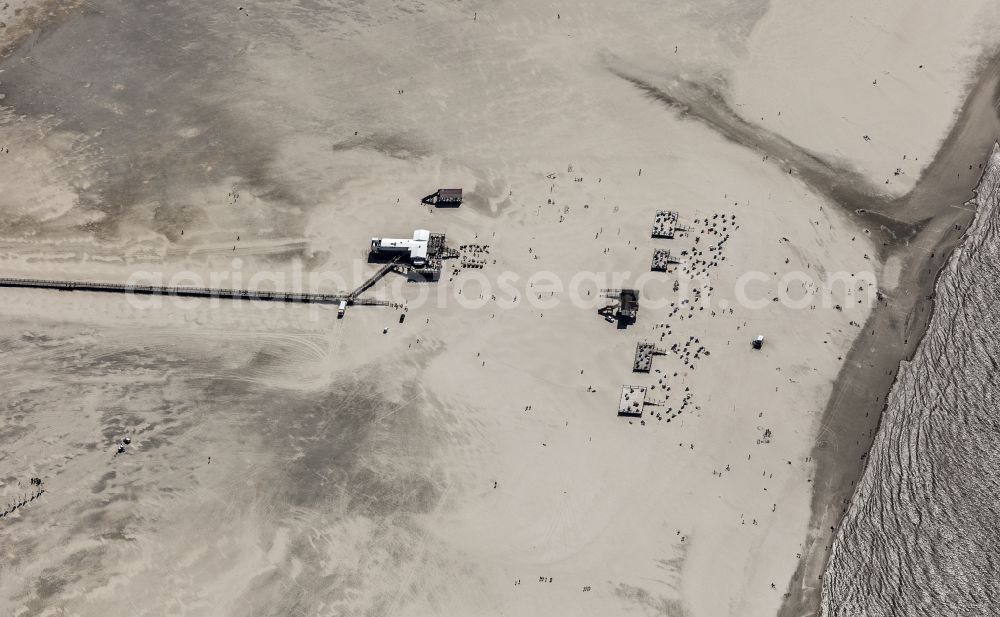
[414,248]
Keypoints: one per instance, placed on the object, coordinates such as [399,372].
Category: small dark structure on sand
[449,197]
[625,307]
[444,198]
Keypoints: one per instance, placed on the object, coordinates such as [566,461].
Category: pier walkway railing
[191,292]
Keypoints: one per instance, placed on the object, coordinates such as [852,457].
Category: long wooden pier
[192,292]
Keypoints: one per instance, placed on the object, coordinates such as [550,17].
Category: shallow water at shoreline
[920,537]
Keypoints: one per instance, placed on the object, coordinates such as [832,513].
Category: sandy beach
[939,205]
[464,455]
